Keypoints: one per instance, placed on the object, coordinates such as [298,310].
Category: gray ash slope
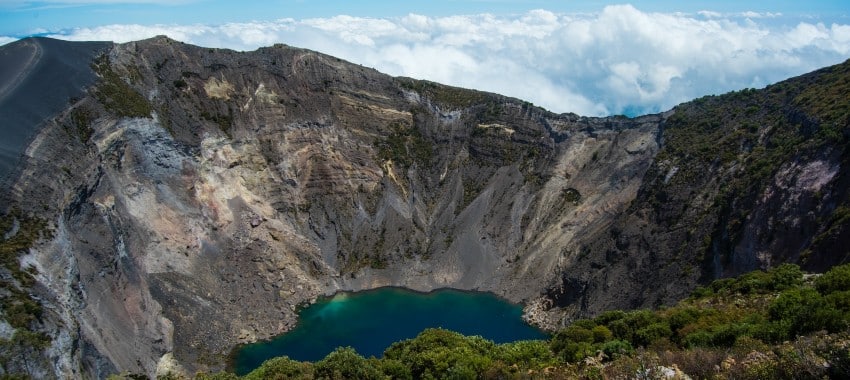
[196,196]
[37,78]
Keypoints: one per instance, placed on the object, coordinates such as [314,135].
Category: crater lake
[370,321]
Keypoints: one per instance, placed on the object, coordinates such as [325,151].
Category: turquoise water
[370,321]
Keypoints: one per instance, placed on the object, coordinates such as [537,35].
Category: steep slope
[196,196]
[37,77]
[743,181]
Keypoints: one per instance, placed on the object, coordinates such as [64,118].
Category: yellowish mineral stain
[218,88]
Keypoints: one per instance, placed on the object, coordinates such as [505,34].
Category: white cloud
[620,60]
[751,14]
[710,14]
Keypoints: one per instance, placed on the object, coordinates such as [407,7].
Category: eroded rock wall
[261,180]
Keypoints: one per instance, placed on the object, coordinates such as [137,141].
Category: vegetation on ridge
[776,324]
[443,95]
[116,95]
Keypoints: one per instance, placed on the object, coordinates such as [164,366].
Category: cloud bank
[618,61]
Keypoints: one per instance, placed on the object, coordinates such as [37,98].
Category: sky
[589,57]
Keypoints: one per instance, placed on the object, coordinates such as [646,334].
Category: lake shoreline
[470,299]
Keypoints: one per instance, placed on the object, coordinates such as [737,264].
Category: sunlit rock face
[197,196]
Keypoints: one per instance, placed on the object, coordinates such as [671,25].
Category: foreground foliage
[777,324]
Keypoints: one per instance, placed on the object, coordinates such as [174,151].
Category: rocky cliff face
[194,197]
[743,181]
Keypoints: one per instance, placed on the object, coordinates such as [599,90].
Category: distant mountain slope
[194,197]
[38,76]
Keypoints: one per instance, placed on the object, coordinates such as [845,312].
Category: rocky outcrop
[197,196]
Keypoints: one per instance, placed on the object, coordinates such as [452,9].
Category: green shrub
[577,334]
[437,353]
[805,310]
[345,363]
[651,333]
[727,334]
[821,317]
[835,280]
[683,316]
[839,300]
[699,338]
[627,327]
[616,348]
[771,331]
[216,376]
[281,368]
[722,285]
[789,304]
[601,334]
[584,323]
[574,352]
[395,369]
[609,316]
[753,282]
[526,354]
[786,276]
[702,292]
